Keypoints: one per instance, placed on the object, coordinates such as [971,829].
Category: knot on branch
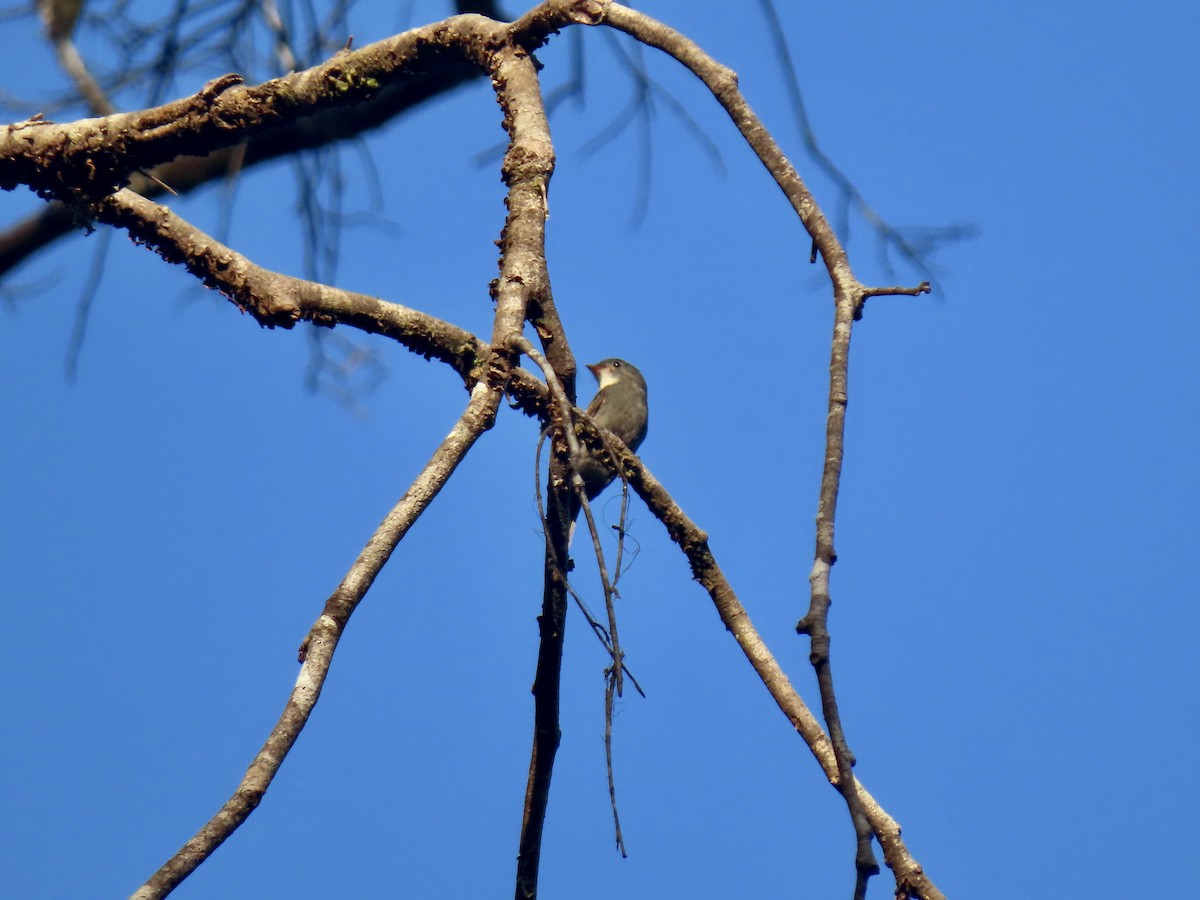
[588,12]
[218,86]
[531,30]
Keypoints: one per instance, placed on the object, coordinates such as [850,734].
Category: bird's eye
[616,364]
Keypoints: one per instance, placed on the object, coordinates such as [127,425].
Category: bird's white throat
[606,378]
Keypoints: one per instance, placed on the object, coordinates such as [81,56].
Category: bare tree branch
[890,236]
[433,73]
[693,541]
[849,294]
[85,164]
[564,419]
[522,273]
[319,646]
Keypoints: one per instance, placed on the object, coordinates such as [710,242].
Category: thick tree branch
[325,127]
[88,159]
[530,164]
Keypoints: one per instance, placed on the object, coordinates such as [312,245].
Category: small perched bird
[620,407]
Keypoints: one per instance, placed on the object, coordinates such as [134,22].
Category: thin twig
[598,630]
[83,309]
[563,420]
[610,686]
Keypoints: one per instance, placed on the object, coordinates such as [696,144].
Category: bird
[620,407]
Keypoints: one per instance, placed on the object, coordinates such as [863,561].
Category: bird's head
[614,371]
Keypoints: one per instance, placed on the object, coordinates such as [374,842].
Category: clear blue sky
[1014,612]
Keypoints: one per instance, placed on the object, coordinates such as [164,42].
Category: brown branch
[90,158]
[892,291]
[722,82]
[430,72]
[528,165]
[522,271]
[78,72]
[563,424]
[87,167]
[547,682]
[325,127]
[815,621]
[322,640]
[910,877]
[548,676]
[277,300]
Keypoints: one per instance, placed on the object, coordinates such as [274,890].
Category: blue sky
[1014,618]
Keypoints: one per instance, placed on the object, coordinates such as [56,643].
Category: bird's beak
[594,368]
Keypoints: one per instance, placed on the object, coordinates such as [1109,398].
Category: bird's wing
[597,404]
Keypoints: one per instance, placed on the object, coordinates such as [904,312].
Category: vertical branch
[815,621]
[551,630]
[548,678]
[610,687]
[562,427]
[528,165]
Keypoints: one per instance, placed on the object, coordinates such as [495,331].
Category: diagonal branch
[430,72]
[186,174]
[911,880]
[723,83]
[849,295]
[277,300]
[317,651]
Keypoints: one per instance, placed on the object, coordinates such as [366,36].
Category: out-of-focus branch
[890,236]
[59,18]
[433,73]
[723,84]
